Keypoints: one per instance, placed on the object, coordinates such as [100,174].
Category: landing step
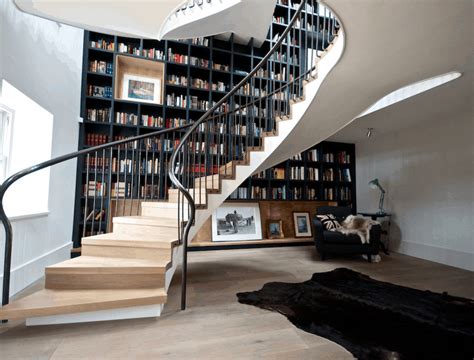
[49,302]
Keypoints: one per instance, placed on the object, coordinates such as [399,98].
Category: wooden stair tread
[166,239]
[147,220]
[107,265]
[49,302]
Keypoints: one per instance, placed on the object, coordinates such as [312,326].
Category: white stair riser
[200,198]
[134,312]
[163,212]
[140,230]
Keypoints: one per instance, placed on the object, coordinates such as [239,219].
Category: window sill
[34,215]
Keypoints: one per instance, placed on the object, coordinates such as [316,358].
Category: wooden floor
[216,326]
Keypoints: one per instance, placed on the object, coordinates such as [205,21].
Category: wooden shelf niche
[138,68]
[269,210]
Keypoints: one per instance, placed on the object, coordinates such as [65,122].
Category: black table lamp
[374,184]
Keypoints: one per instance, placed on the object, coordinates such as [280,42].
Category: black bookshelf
[212,67]
[325,172]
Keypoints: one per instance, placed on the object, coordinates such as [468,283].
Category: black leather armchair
[333,242]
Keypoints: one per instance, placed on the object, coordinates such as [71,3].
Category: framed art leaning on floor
[302,224]
[236,222]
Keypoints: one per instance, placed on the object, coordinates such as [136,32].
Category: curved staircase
[126,273]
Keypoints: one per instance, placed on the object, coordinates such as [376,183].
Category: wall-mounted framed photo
[237,222]
[141,88]
[302,224]
[275,229]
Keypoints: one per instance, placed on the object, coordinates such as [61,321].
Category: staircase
[126,273]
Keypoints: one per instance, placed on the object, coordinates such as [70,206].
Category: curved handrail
[32,169]
[176,168]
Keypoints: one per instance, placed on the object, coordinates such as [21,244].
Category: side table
[375,217]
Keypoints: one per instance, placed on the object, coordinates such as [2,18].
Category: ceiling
[442,102]
[388,45]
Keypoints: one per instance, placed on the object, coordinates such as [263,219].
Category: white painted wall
[44,60]
[427,171]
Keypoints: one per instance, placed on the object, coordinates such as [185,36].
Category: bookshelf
[194,75]
[325,172]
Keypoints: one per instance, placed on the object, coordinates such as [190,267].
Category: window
[6,118]
[26,130]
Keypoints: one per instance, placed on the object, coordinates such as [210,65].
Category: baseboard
[449,257]
[27,273]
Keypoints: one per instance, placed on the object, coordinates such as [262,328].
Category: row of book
[177,80]
[124,190]
[297,173]
[124,118]
[328,174]
[93,164]
[94,189]
[345,194]
[98,115]
[103,44]
[284,58]
[101,67]
[94,139]
[343,157]
[99,91]
[201,41]
[220,67]
[158,121]
[153,53]
[128,49]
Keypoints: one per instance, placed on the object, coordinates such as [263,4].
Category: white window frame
[6,116]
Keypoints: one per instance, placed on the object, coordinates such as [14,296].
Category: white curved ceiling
[134,18]
[158,19]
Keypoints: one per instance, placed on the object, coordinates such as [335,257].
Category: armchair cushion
[329,221]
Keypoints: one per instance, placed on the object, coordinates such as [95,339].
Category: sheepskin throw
[357,225]
[329,221]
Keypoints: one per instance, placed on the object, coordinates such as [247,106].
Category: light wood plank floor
[216,326]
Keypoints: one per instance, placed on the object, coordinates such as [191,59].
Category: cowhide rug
[373,319]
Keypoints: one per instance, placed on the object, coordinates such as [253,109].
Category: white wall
[427,171]
[44,60]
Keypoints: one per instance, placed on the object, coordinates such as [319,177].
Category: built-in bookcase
[326,172]
[196,74]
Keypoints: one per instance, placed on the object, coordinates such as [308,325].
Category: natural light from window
[26,135]
[411,90]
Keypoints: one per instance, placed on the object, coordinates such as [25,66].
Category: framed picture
[302,224]
[140,88]
[236,222]
[275,229]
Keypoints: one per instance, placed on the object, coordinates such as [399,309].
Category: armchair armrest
[318,230]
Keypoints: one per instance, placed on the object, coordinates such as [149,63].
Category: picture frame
[302,224]
[237,222]
[275,229]
[141,88]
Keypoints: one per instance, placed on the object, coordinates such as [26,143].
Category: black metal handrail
[184,160]
[32,169]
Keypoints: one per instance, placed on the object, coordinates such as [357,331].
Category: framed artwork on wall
[302,224]
[236,222]
[141,88]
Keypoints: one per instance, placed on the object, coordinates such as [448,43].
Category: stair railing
[129,169]
[239,121]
